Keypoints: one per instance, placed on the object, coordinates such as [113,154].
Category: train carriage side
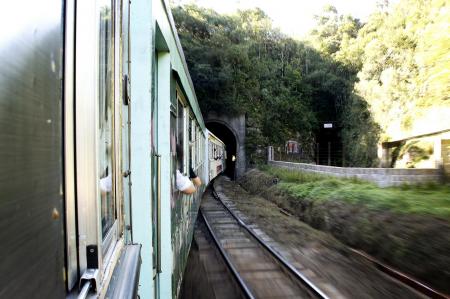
[64,146]
[95,99]
[31,143]
[216,156]
[181,138]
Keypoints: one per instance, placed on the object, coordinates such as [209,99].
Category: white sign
[328,126]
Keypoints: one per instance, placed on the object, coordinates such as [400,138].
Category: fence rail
[326,153]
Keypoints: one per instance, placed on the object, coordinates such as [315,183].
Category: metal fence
[279,155]
[329,153]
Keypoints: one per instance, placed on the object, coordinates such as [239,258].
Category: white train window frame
[181,102]
[191,143]
[87,134]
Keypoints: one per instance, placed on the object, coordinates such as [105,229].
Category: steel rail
[305,281]
[246,290]
[402,277]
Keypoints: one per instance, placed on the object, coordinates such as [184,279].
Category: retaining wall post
[269,153]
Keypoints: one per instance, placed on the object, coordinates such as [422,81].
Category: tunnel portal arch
[231,130]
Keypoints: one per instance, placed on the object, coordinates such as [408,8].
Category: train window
[106,112]
[196,144]
[203,146]
[200,146]
[181,124]
[210,149]
[191,142]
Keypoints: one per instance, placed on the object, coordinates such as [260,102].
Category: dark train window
[106,112]
[181,131]
[190,145]
[197,147]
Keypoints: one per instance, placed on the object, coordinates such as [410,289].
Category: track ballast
[260,271]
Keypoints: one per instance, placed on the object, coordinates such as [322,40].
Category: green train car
[97,113]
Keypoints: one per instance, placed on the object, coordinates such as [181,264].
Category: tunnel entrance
[227,137]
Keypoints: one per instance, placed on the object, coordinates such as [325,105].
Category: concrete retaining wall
[383,177]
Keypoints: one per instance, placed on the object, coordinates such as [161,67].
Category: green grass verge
[428,199]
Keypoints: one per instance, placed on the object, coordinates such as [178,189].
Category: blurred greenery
[426,199]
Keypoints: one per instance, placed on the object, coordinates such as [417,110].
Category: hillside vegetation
[378,81]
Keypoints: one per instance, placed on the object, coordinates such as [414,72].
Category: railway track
[259,270]
[408,287]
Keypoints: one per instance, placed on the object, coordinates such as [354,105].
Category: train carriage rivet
[55,214]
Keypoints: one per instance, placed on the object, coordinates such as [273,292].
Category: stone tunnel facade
[237,125]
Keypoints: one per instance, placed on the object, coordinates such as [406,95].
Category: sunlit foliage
[391,73]
[403,56]
[241,64]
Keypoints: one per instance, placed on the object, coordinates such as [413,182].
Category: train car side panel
[184,207]
[163,256]
[140,72]
[216,156]
[89,151]
[31,185]
[186,121]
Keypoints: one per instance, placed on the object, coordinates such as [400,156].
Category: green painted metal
[163,15]
[157,67]
[141,78]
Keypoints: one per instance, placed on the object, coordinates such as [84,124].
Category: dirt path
[322,258]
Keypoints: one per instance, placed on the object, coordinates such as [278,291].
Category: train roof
[211,135]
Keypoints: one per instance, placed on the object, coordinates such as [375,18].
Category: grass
[427,199]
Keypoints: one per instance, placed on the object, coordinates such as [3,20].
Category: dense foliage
[403,58]
[362,76]
[241,64]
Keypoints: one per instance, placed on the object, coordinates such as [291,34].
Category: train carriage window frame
[182,119]
[198,146]
[98,135]
[106,118]
[193,142]
[110,233]
[191,160]
[203,147]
